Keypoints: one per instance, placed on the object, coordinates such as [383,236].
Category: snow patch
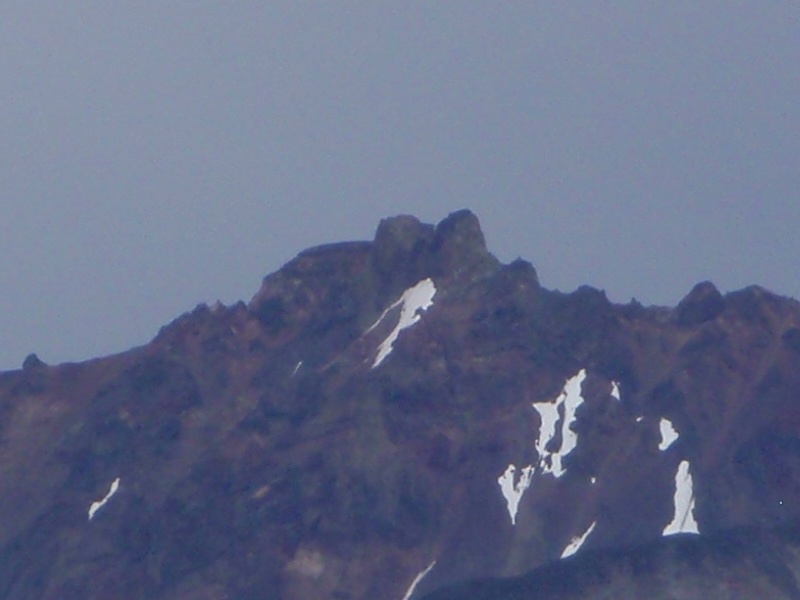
[570,398]
[548,412]
[297,368]
[513,490]
[615,390]
[639,418]
[101,503]
[414,301]
[576,542]
[683,520]
[668,434]
[567,403]
[417,579]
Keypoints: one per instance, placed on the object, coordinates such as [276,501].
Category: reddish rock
[263,452]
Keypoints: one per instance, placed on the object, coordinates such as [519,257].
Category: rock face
[402,417]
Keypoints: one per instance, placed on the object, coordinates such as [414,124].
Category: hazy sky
[156,154]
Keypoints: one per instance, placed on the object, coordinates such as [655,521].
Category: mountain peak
[461,245]
[454,247]
[402,247]
[462,230]
[703,303]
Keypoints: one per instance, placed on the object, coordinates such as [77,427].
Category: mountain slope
[384,419]
[737,564]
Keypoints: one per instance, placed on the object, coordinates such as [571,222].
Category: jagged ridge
[354,424]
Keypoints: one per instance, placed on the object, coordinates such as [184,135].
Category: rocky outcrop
[389,418]
[702,304]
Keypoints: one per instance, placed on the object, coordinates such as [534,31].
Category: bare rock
[702,304]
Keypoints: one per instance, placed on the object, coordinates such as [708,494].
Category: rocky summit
[409,418]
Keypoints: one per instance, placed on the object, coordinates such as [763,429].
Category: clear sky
[154,155]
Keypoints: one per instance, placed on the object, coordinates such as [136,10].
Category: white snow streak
[413,302]
[668,434]
[576,542]
[548,412]
[615,390]
[683,521]
[512,491]
[571,399]
[297,368]
[417,579]
[101,503]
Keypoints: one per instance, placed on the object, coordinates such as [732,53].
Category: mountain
[408,417]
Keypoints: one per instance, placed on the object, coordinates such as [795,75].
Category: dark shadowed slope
[737,564]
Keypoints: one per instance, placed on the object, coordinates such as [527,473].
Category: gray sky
[154,155]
